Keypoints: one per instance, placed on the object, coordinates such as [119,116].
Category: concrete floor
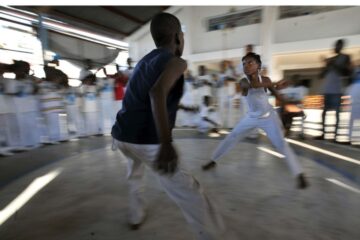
[254,190]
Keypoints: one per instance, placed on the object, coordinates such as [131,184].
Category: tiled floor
[253,189]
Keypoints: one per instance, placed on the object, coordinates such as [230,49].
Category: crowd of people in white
[36,111]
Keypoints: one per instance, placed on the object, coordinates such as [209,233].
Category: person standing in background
[336,70]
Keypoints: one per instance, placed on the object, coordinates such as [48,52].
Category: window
[235,19]
[291,11]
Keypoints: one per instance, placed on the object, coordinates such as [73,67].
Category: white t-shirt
[205,90]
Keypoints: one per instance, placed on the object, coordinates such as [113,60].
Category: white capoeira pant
[272,127]
[181,187]
[91,111]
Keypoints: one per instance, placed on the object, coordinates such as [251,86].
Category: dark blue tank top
[135,122]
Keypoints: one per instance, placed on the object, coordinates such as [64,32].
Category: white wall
[204,41]
[304,34]
[324,25]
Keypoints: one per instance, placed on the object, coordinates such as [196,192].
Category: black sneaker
[209,165]
[302,183]
[136,226]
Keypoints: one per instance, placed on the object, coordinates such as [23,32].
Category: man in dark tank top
[143,126]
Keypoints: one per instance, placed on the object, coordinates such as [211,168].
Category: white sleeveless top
[258,103]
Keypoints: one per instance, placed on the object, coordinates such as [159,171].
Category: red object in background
[120,83]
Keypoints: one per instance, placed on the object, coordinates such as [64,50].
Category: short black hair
[254,56]
[340,42]
[163,26]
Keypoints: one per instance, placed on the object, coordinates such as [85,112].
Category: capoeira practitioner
[260,115]
[22,131]
[187,114]
[209,120]
[90,106]
[143,132]
[53,105]
[105,104]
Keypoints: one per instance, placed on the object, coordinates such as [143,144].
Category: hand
[166,161]
[281,84]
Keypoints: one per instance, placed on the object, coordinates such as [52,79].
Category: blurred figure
[354,92]
[188,108]
[143,132]
[204,80]
[90,106]
[294,95]
[128,72]
[221,96]
[120,82]
[208,117]
[74,117]
[260,115]
[106,103]
[215,80]
[5,150]
[336,70]
[53,104]
[23,129]
[229,119]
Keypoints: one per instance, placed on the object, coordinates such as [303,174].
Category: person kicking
[260,115]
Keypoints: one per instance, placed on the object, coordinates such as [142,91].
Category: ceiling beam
[86,22]
[64,17]
[124,14]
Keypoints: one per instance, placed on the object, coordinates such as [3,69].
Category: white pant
[105,115]
[52,122]
[181,187]
[91,123]
[272,126]
[12,131]
[29,128]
